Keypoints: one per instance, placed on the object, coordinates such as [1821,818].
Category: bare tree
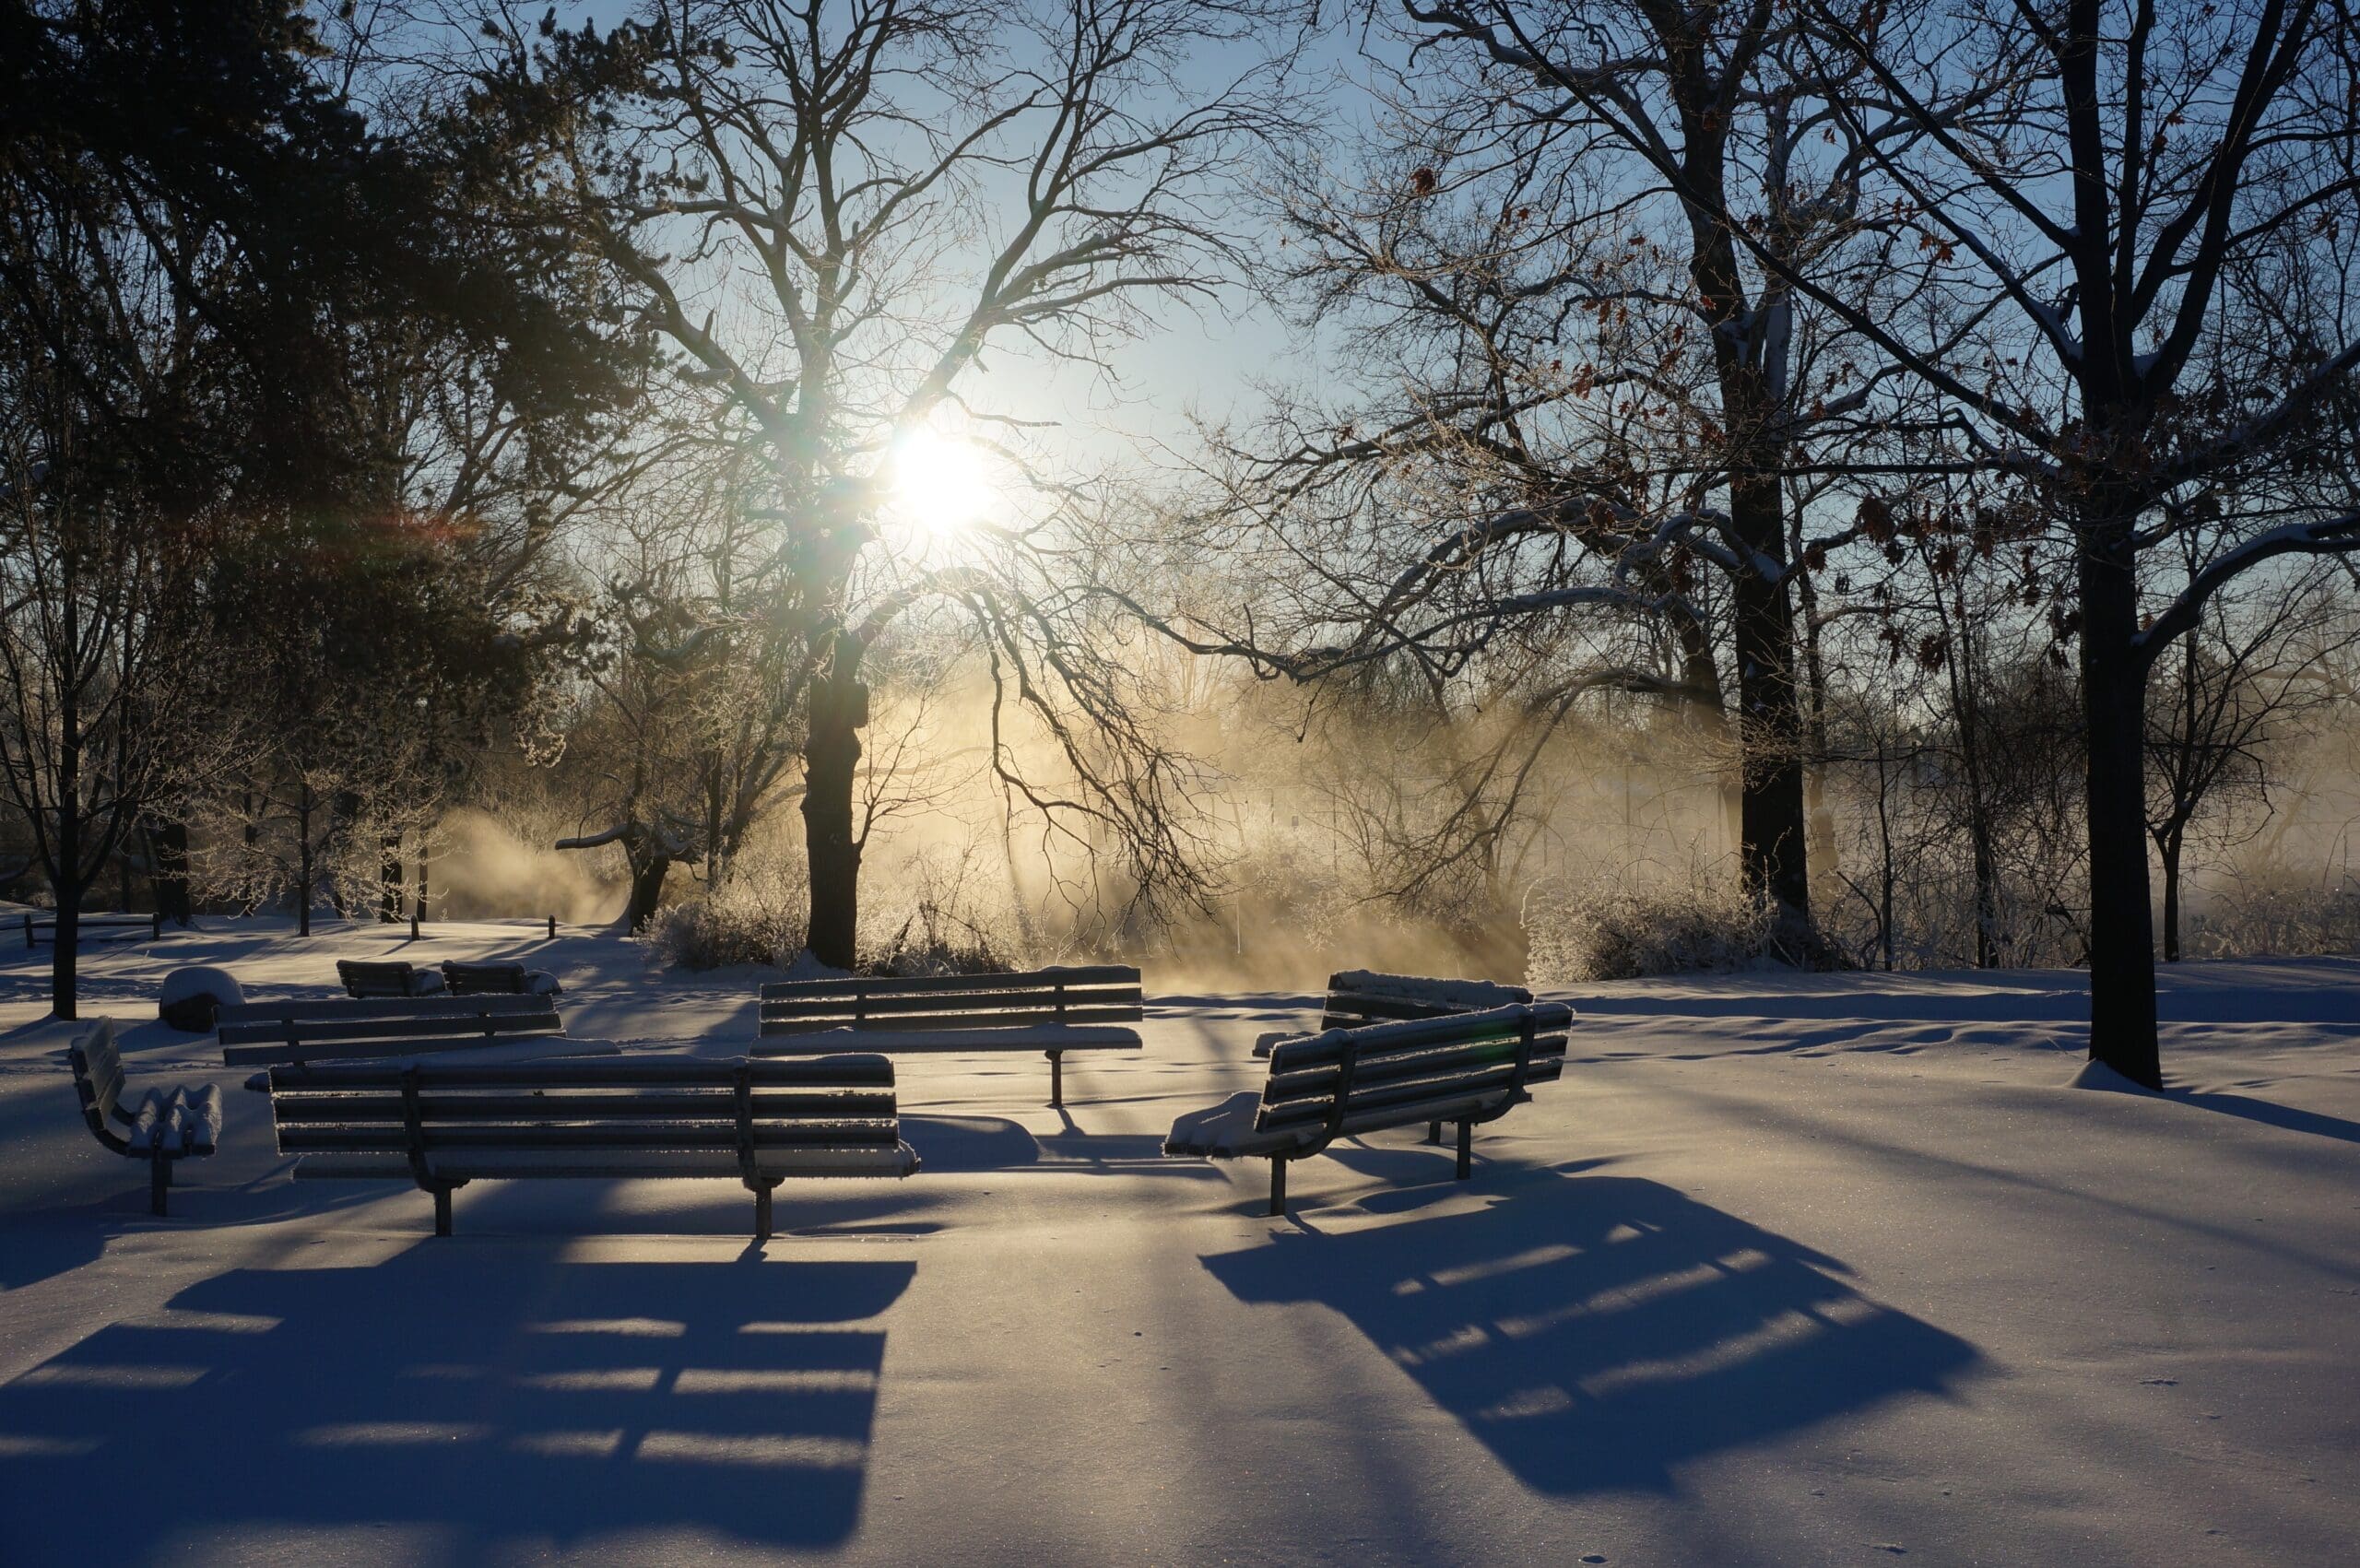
[834,213]
[2105,189]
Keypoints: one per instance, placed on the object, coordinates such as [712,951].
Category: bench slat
[1393,1097]
[1426,1061]
[953,1005]
[955,1041]
[854,1071]
[945,1023]
[706,1106]
[300,1139]
[1037,979]
[329,1031]
[383,1006]
[496,1165]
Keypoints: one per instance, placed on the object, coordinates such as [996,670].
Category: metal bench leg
[762,1210]
[1433,1132]
[441,1211]
[1278,1186]
[1466,1149]
[1056,1081]
[159,1181]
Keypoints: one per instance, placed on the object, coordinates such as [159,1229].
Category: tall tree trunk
[649,867]
[425,853]
[389,878]
[831,759]
[2122,943]
[66,874]
[168,868]
[2168,844]
[303,864]
[1769,717]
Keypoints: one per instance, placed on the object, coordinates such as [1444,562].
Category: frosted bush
[755,916]
[1623,934]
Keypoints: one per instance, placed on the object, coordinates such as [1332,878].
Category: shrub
[1623,934]
[755,916]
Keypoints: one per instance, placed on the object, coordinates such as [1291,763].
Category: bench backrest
[646,1104]
[1392,1075]
[1357,997]
[1093,994]
[374,977]
[484,979]
[305,1032]
[97,1081]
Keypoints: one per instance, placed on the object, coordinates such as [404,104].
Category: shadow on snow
[1594,1332]
[490,1391]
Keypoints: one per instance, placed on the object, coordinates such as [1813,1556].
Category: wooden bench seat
[1463,1067]
[1357,997]
[161,1127]
[261,1033]
[1088,1007]
[444,1124]
[390,977]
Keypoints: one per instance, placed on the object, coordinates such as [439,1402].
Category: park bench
[1463,1067]
[497,980]
[1050,1011]
[1357,997]
[40,928]
[446,1123]
[390,977]
[161,1127]
[263,1032]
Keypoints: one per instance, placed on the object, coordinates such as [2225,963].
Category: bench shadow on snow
[489,1390]
[1594,1332]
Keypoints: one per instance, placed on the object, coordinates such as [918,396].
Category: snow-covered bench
[1357,997]
[388,977]
[519,1028]
[498,980]
[1463,1067]
[40,928]
[1085,1007]
[444,1124]
[161,1127]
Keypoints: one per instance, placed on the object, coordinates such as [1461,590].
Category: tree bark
[303,864]
[831,759]
[2122,943]
[168,868]
[1771,849]
[649,867]
[389,878]
[2169,845]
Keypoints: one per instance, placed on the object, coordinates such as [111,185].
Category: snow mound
[807,967]
[192,996]
[2097,1075]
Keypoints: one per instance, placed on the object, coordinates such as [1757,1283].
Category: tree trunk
[2122,945]
[66,875]
[831,759]
[425,850]
[649,867]
[303,866]
[168,868]
[389,878]
[1769,718]
[2169,845]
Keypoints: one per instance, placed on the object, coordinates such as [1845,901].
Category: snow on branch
[2337,536]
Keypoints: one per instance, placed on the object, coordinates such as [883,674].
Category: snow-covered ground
[1785,1270]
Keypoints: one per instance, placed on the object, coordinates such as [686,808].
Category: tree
[833,214]
[2121,221]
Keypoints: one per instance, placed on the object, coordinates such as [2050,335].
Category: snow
[1787,1268]
[217,989]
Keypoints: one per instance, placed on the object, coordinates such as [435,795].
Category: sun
[940,483]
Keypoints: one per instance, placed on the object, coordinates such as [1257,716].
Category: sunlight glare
[940,483]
